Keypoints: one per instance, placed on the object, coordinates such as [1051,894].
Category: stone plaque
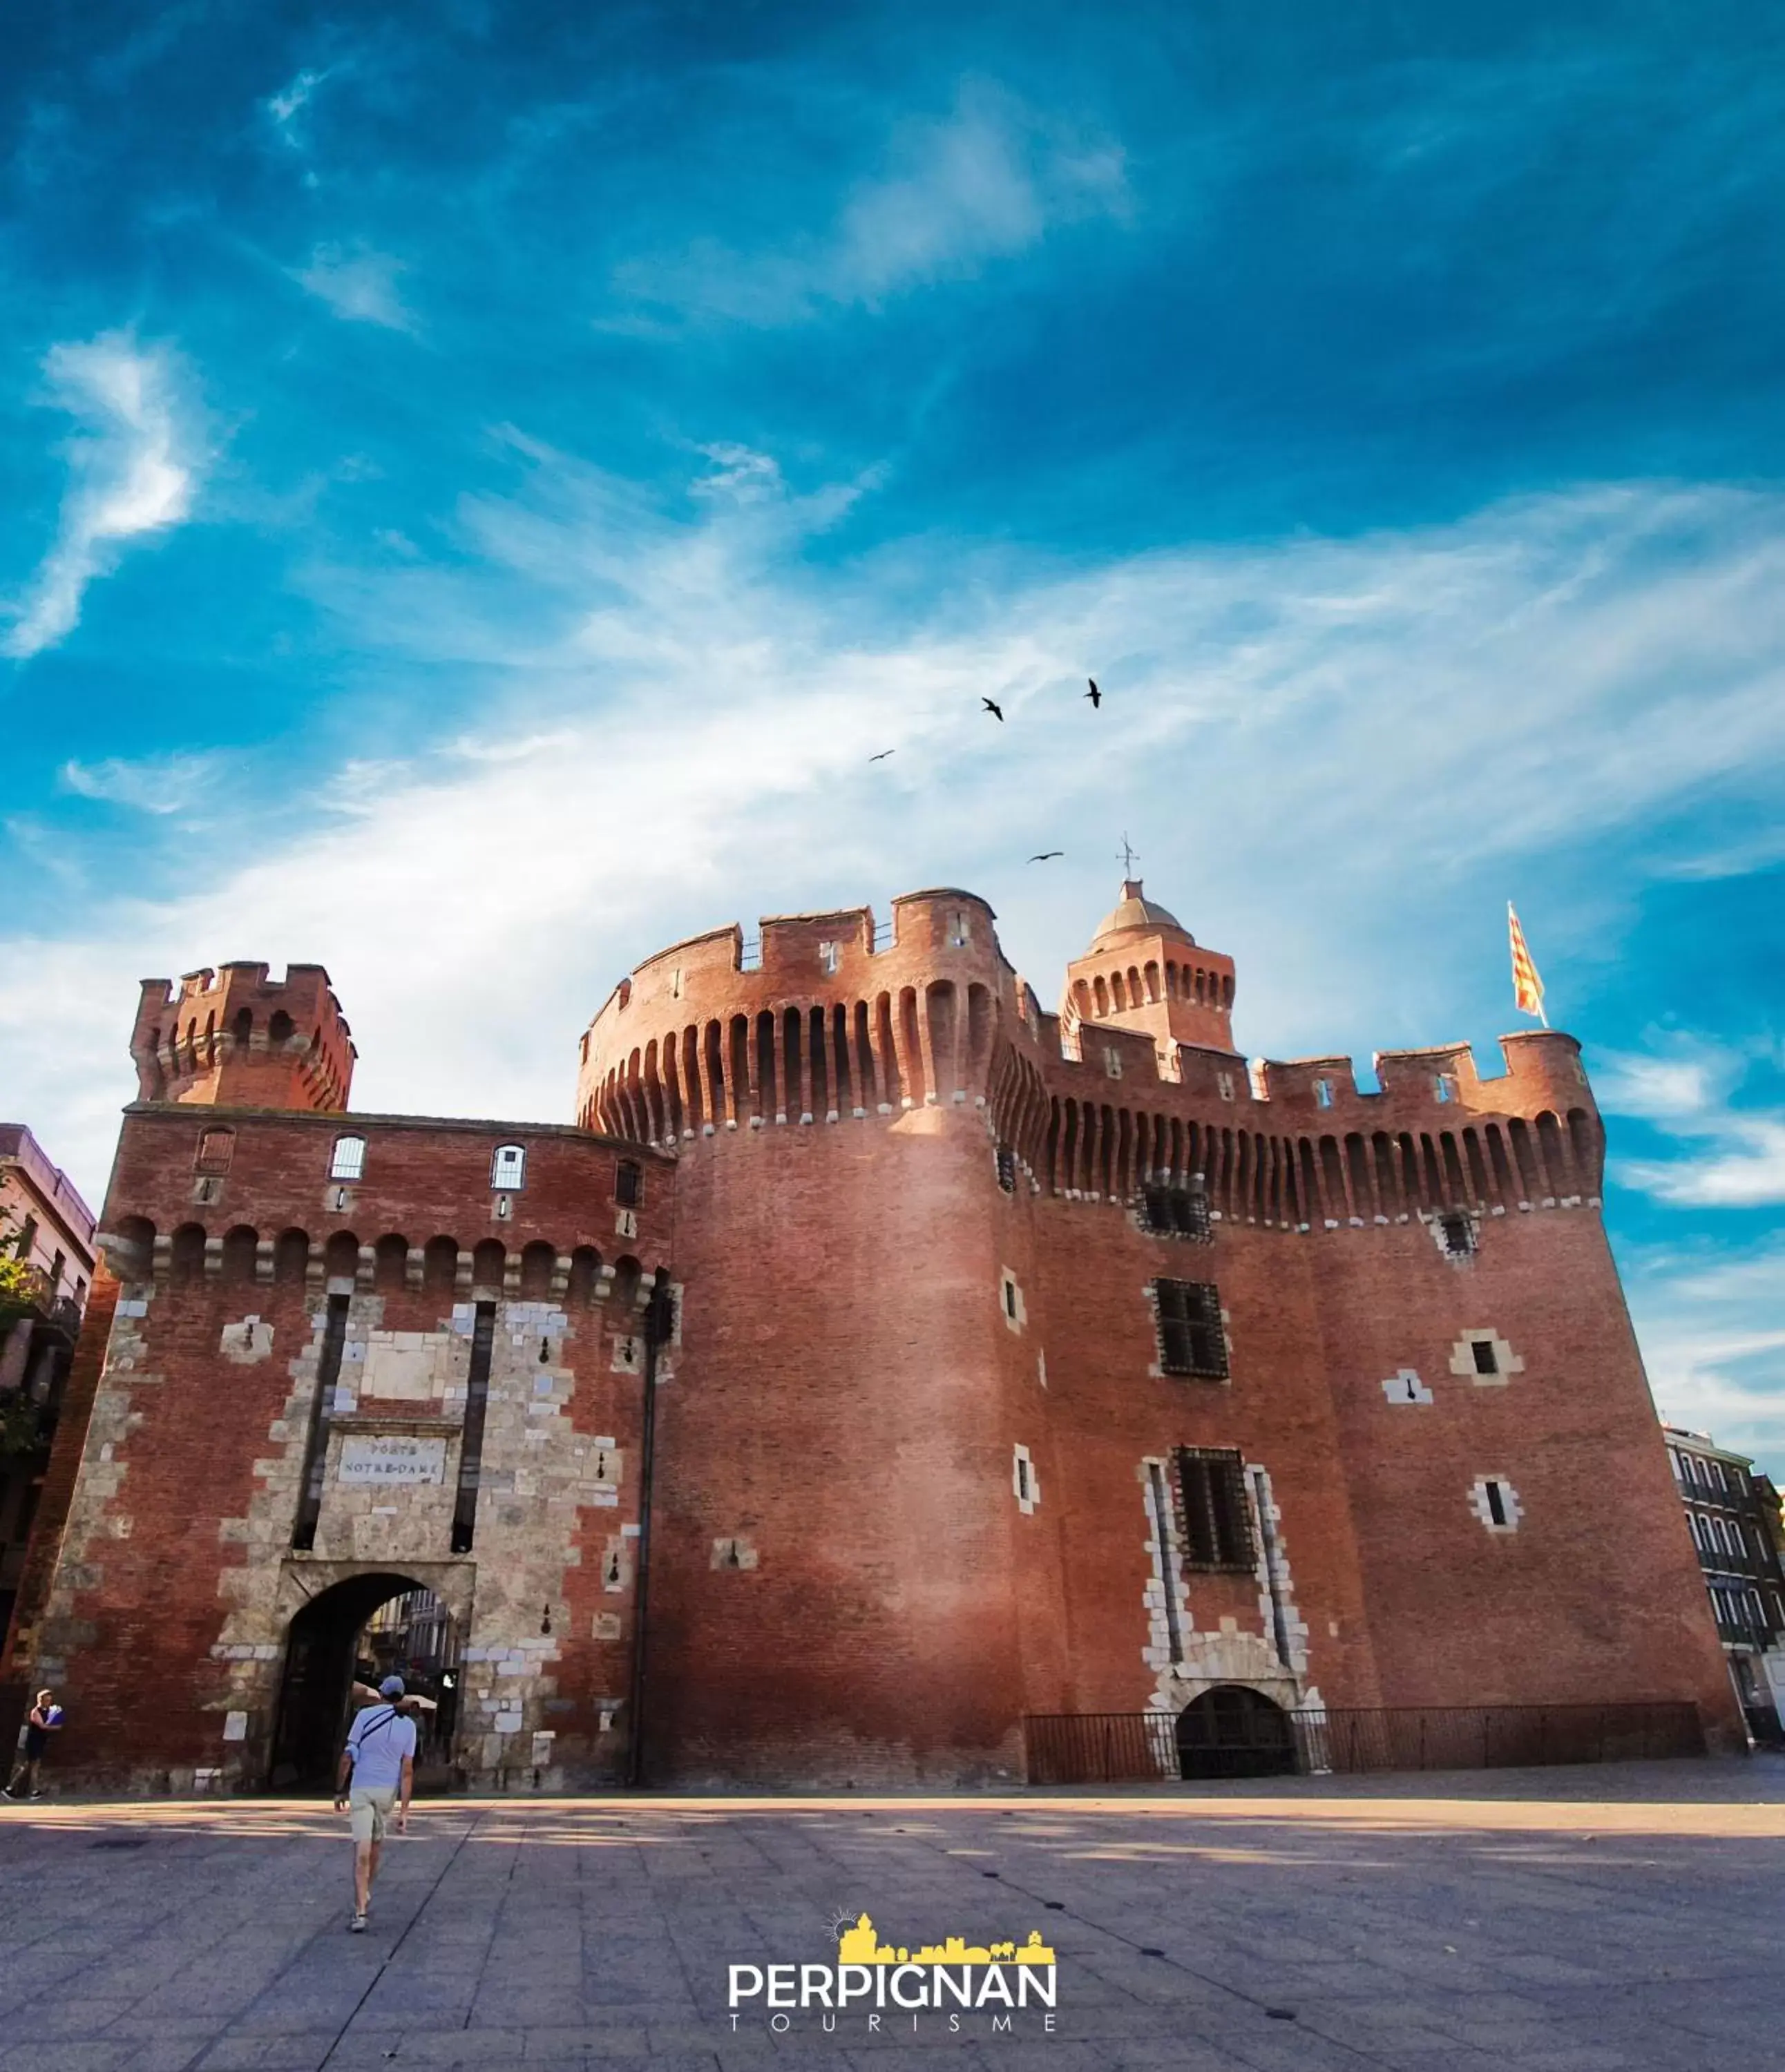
[376,1463]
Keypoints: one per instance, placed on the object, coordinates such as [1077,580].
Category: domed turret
[1145,971]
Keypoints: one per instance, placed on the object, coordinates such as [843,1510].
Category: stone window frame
[1481,1502]
[1011,1306]
[1024,1484]
[1217,1356]
[1465,1365]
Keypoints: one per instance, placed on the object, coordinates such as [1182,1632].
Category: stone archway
[323,1641]
[1233,1731]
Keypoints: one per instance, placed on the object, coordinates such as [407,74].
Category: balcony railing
[1109,1748]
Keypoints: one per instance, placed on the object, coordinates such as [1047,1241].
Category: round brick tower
[230,1039]
[834,1588]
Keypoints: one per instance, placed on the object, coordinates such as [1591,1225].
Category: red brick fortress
[1007,1363]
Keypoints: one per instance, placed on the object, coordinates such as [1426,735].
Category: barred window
[1006,1169]
[628,1183]
[1214,1517]
[348,1161]
[1191,1338]
[1177,1211]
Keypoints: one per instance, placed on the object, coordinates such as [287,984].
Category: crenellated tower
[231,1038]
[1145,971]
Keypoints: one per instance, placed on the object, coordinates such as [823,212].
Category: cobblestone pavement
[1559,1921]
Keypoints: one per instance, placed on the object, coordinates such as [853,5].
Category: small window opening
[1223,1085]
[1458,1235]
[1177,1211]
[1444,1088]
[349,1159]
[1496,1503]
[1323,1093]
[216,1147]
[675,983]
[628,1183]
[828,959]
[1486,1360]
[1006,1169]
[959,935]
[1191,1340]
[508,1167]
[1010,1300]
[1022,1478]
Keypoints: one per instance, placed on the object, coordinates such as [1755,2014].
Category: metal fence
[1112,1748]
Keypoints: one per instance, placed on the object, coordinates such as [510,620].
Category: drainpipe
[659,1322]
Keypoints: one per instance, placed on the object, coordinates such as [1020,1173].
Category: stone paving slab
[1578,1921]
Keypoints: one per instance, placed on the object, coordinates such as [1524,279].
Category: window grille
[349,1159]
[1214,1517]
[1190,1338]
[628,1183]
[508,1167]
[1177,1211]
[216,1147]
[1007,1169]
[1457,1233]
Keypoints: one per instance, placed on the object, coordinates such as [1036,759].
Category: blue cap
[391,1687]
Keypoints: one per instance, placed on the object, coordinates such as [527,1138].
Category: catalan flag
[1527,988]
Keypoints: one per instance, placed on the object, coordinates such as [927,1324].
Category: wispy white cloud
[1726,1156]
[152,784]
[989,181]
[1324,751]
[358,284]
[133,469]
[285,106]
[1713,1341]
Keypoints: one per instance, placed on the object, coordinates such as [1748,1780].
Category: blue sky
[481,483]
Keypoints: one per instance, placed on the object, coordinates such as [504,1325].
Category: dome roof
[1133,911]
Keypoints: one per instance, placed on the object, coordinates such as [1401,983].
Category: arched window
[216,1147]
[349,1160]
[280,1029]
[508,1167]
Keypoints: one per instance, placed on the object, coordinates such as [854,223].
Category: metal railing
[1111,1748]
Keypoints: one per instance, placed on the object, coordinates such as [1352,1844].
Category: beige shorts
[369,1805]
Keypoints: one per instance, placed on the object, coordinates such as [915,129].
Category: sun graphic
[842,1917]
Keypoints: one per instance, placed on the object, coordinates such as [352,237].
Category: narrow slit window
[1496,1503]
[508,1168]
[349,1160]
[1007,1169]
[1191,1340]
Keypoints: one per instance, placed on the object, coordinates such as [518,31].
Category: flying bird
[996,711]
[1093,694]
[882,755]
[1046,853]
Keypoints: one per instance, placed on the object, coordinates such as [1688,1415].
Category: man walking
[44,1720]
[380,1761]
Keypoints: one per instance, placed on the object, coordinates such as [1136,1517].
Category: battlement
[230,1035]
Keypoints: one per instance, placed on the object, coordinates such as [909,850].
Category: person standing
[45,1719]
[377,1770]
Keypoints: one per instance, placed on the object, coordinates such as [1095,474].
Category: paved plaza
[1561,1921]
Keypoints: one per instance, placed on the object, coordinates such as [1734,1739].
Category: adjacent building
[46,1227]
[1733,1515]
[876,1361]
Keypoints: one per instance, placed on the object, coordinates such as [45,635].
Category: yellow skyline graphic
[861,1945]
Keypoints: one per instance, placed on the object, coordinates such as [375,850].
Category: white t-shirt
[378,1740]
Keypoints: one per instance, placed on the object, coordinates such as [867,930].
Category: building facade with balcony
[1733,1515]
[46,1229]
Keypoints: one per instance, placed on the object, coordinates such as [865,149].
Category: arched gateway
[364,1627]
[1232,1731]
